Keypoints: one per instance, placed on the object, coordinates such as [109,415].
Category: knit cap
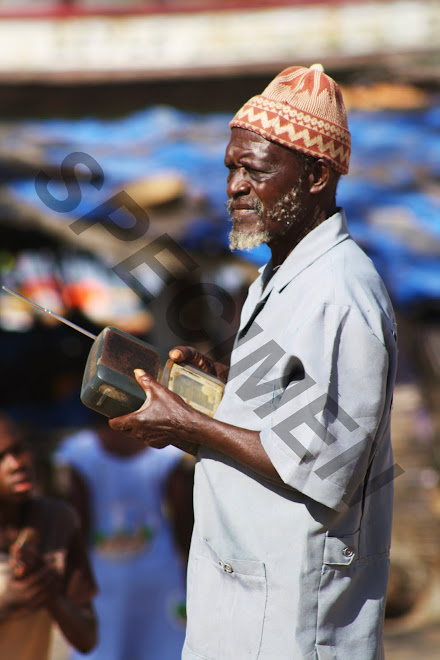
[302,109]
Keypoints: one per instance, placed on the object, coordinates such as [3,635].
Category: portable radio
[109,386]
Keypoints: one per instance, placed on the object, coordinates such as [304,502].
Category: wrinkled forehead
[245,143]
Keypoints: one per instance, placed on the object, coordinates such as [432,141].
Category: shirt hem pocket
[229,596]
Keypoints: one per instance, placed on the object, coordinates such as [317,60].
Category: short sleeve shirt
[301,571]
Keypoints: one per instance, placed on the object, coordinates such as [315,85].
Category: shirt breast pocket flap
[239,589]
[240,567]
[341,550]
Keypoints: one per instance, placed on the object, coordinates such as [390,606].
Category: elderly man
[293,487]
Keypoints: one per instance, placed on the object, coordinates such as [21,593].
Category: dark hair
[306,160]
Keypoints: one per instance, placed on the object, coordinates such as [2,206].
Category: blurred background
[141,93]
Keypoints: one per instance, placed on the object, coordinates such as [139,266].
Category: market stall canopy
[171,164]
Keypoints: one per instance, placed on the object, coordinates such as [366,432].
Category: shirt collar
[317,242]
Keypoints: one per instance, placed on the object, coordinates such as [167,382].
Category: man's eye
[247,169]
[255,174]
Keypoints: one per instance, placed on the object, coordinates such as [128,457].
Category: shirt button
[227,568]
[348,552]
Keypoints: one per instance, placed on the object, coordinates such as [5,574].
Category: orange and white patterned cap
[302,109]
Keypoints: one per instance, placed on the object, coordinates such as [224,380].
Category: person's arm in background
[36,584]
[179,498]
[72,607]
[76,621]
[72,487]
[73,610]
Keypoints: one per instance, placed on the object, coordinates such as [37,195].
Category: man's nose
[237,183]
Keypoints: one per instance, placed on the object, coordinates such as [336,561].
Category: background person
[45,576]
[119,487]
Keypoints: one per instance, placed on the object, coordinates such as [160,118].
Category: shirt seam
[281,286]
[298,468]
[357,312]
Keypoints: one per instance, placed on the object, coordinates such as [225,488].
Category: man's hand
[163,419]
[197,359]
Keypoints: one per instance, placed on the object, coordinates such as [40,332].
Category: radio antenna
[48,311]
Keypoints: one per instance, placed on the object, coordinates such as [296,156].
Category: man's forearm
[78,624]
[240,444]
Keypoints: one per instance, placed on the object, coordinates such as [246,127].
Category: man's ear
[319,177]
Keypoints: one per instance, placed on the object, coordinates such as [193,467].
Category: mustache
[254,205]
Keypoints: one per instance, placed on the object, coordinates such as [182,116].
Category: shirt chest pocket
[226,605]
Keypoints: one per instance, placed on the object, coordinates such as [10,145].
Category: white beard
[242,240]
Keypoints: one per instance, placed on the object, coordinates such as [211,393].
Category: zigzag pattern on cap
[307,140]
[290,113]
[302,109]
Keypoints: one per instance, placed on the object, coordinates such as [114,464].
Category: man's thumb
[143,378]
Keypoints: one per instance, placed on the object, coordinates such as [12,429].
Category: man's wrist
[193,431]
[188,447]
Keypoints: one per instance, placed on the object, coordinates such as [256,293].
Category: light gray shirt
[286,573]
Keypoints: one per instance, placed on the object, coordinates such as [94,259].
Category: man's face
[16,472]
[264,188]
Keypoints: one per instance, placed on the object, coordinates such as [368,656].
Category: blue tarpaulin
[391,195]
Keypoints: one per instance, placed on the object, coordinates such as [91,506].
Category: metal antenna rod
[47,311]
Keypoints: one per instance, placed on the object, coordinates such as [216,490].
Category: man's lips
[242,212]
[243,207]
[246,219]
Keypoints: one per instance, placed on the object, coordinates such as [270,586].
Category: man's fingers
[179,353]
[186,354]
[192,356]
